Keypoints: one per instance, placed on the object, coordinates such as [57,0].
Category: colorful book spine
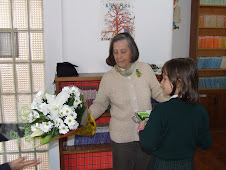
[212,82]
[201,41]
[212,42]
[223,62]
[216,42]
[212,2]
[225,21]
[221,42]
[201,21]
[212,62]
[212,21]
[101,136]
[209,42]
[220,21]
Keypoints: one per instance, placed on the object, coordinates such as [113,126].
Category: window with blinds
[22,72]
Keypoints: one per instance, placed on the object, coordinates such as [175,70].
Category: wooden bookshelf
[106,147]
[212,72]
[80,149]
[212,31]
[81,77]
[211,52]
[211,98]
[211,9]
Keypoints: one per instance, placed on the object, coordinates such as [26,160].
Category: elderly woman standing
[128,88]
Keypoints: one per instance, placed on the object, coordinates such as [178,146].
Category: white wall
[52,39]
[72,33]
[53,54]
[181,36]
[82,27]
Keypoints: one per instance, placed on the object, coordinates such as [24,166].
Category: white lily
[55,103]
[44,108]
[39,98]
[37,132]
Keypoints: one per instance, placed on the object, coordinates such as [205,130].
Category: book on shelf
[212,42]
[101,136]
[212,2]
[214,21]
[223,62]
[212,82]
[89,95]
[211,62]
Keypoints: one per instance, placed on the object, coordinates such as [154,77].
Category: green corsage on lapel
[138,73]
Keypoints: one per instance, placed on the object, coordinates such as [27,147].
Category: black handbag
[66,69]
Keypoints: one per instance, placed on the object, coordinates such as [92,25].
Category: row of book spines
[212,82]
[211,62]
[97,138]
[89,93]
[212,21]
[212,2]
[101,136]
[212,42]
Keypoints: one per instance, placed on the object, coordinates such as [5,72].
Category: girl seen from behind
[176,127]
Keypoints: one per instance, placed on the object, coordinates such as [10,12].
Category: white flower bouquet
[58,116]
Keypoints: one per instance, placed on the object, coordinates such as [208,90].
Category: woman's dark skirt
[159,164]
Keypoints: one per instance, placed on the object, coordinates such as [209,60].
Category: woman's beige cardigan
[126,95]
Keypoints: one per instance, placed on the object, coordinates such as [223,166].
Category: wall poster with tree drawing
[118,17]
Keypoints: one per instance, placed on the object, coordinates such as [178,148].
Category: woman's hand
[21,163]
[143,123]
